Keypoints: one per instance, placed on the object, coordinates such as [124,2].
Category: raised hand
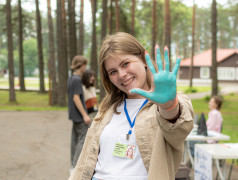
[163,88]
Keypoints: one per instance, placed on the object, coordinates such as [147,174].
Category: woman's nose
[122,73]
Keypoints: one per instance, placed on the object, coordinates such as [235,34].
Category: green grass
[186,89]
[229,112]
[29,83]
[33,101]
[27,101]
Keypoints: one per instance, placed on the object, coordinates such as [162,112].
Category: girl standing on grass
[214,121]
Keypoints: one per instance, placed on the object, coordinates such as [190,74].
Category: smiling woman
[127,72]
[141,110]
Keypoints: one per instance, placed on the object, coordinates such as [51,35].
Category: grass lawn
[27,101]
[29,82]
[34,101]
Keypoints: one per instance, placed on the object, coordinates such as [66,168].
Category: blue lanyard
[129,119]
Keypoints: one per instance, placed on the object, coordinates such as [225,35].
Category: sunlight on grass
[197,88]
[29,83]
[27,101]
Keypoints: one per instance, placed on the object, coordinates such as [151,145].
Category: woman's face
[127,72]
[212,104]
[130,152]
[91,79]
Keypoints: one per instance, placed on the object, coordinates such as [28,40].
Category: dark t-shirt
[75,87]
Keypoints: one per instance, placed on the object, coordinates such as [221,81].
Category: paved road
[34,145]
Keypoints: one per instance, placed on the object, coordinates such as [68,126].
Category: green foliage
[30,56]
[3,59]
[190,90]
[207,98]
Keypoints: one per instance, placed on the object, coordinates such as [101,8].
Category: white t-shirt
[110,167]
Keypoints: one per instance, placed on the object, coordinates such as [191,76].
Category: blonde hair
[112,46]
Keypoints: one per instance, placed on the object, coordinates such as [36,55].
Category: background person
[214,121]
[76,108]
[152,117]
[89,92]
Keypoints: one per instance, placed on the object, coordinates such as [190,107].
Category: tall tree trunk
[167,31]
[154,29]
[51,60]
[62,53]
[12,96]
[21,62]
[117,16]
[81,30]
[133,17]
[72,30]
[39,45]
[94,63]
[214,48]
[193,34]
[103,34]
[110,18]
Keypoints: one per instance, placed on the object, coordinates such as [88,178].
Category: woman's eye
[111,73]
[125,64]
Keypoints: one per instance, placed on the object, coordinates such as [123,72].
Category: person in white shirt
[142,122]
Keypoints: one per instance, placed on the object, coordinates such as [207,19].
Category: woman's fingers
[141,92]
[149,63]
[176,67]
[158,58]
[166,57]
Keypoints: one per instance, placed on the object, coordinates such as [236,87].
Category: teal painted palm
[163,88]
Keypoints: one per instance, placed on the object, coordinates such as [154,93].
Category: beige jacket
[160,142]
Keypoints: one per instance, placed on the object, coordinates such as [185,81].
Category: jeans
[79,131]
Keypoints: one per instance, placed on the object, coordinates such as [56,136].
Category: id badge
[124,151]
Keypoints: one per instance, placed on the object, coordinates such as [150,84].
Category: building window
[226,73]
[205,72]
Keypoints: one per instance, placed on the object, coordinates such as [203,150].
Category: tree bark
[133,17]
[51,60]
[214,49]
[94,63]
[21,62]
[12,96]
[62,53]
[192,50]
[154,28]
[81,29]
[72,30]
[103,34]
[167,31]
[117,16]
[110,18]
[40,51]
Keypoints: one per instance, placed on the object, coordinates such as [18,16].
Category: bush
[190,90]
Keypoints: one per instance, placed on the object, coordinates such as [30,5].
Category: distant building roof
[205,58]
